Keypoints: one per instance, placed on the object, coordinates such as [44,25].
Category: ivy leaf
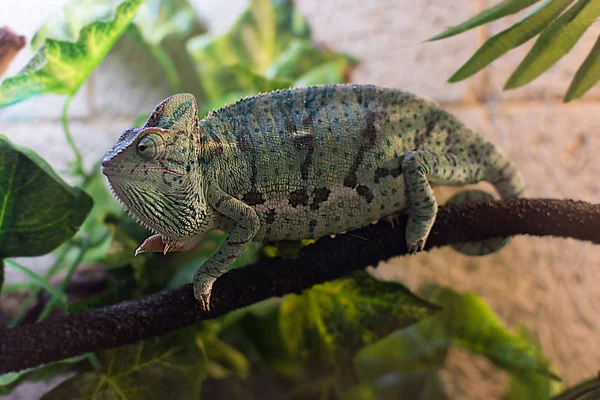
[336,318]
[38,210]
[160,368]
[555,41]
[268,48]
[61,66]
[587,75]
[516,35]
[507,7]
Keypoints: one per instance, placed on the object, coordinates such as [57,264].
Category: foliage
[26,184]
[61,66]
[559,24]
[354,338]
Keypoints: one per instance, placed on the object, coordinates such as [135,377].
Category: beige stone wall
[549,285]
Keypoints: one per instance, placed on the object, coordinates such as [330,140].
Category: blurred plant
[559,24]
[342,339]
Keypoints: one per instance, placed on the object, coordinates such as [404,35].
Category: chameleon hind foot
[481,247]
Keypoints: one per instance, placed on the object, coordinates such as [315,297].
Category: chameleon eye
[150,146]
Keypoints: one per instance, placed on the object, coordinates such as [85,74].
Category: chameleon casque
[295,164]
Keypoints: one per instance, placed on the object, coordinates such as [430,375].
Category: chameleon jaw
[162,244]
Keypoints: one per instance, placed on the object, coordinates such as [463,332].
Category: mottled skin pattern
[293,164]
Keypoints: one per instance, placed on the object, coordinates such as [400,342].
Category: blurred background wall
[549,285]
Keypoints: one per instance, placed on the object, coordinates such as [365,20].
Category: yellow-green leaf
[512,37]
[466,321]
[498,11]
[61,66]
[38,210]
[587,75]
[555,41]
[339,317]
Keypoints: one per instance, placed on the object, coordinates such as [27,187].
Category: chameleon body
[293,164]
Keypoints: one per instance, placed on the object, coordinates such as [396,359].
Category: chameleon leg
[247,224]
[421,168]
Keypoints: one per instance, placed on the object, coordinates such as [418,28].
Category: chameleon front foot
[204,278]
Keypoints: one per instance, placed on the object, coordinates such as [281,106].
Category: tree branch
[33,344]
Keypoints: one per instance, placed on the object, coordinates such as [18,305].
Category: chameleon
[295,164]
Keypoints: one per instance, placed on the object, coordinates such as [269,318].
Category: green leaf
[260,35]
[498,11]
[158,19]
[62,66]
[326,74]
[530,384]
[38,210]
[555,41]
[301,57]
[337,318]
[587,75]
[512,37]
[161,368]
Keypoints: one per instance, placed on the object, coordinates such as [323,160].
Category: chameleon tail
[509,184]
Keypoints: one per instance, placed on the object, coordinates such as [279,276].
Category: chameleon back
[321,160]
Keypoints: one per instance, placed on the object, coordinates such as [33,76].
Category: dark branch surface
[129,322]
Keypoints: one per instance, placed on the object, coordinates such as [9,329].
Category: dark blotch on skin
[290,127]
[370,140]
[304,142]
[243,142]
[351,180]
[321,196]
[270,216]
[216,151]
[298,197]
[383,172]
[253,198]
[365,193]
[370,132]
[307,122]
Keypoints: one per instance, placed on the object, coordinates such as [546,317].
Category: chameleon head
[154,172]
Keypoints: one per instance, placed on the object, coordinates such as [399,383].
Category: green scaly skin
[294,164]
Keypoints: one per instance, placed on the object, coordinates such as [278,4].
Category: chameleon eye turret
[296,164]
[151,146]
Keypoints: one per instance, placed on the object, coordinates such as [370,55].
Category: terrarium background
[549,285]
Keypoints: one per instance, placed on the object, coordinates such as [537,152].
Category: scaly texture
[293,164]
